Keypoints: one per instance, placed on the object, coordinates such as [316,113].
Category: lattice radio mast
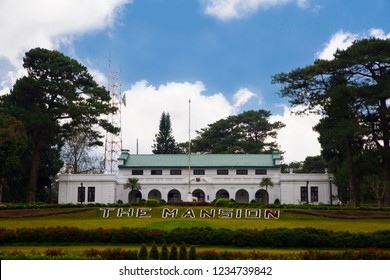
[113,144]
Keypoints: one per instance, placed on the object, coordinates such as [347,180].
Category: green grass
[93,219]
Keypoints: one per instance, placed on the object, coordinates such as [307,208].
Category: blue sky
[219,53]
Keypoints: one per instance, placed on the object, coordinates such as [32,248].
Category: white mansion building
[200,177]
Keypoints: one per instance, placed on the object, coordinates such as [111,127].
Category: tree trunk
[385,119]
[386,175]
[351,180]
[32,184]
[1,190]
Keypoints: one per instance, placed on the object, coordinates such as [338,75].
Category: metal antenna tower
[113,144]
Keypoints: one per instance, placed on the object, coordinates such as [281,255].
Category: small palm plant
[133,184]
[266,182]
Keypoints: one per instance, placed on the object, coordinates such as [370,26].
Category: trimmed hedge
[272,238]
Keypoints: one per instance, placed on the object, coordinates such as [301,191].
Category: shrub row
[142,254]
[273,238]
[361,254]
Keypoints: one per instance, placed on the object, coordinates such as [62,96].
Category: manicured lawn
[94,218]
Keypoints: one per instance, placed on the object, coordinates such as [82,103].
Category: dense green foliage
[132,184]
[352,93]
[54,99]
[247,133]
[165,142]
[13,142]
[311,164]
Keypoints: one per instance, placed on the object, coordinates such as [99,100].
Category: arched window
[242,196]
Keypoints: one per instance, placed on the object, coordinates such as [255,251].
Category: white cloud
[145,104]
[45,23]
[378,33]
[242,96]
[342,40]
[297,138]
[234,9]
[4,90]
[98,76]
[27,24]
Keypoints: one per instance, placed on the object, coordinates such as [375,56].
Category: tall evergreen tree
[247,133]
[57,96]
[341,136]
[165,142]
[352,91]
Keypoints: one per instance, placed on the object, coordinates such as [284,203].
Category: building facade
[198,177]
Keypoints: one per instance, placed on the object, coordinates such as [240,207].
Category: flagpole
[189,196]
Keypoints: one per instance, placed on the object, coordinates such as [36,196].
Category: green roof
[198,160]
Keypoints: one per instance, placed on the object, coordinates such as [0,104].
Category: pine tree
[55,97]
[164,252]
[143,253]
[173,255]
[192,254]
[153,254]
[165,142]
[183,251]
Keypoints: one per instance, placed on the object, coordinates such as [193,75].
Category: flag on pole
[124,99]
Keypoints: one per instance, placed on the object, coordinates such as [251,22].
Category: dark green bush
[163,202]
[143,252]
[183,251]
[192,253]
[222,202]
[173,255]
[164,252]
[153,254]
[152,203]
